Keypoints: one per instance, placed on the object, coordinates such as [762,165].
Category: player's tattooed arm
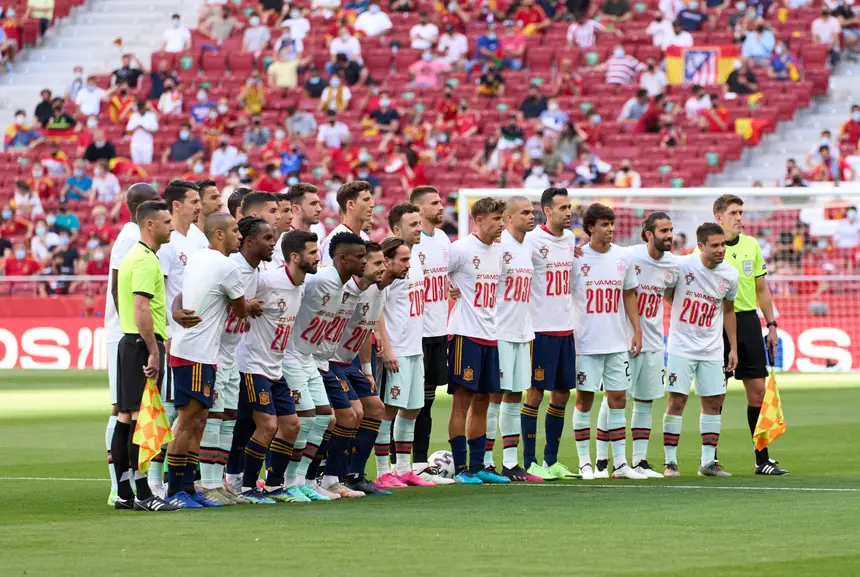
[183,317]
[730,325]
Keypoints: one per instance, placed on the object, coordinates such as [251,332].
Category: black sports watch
[771,324]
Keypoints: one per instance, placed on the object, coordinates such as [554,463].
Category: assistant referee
[143,319]
[744,254]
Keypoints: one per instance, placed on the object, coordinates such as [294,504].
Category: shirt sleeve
[145,278]
[759,266]
[232,283]
[732,293]
[630,279]
[455,259]
[165,259]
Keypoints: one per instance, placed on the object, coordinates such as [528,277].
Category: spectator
[589,131]
[100,148]
[200,110]
[671,8]
[68,249]
[467,122]
[672,137]
[76,84]
[487,46]
[512,48]
[634,107]
[453,46]
[20,136]
[14,223]
[491,83]
[738,14]
[294,47]
[60,123]
[583,31]
[616,10]
[590,170]
[284,71]
[26,196]
[850,132]
[41,183]
[403,5]
[56,163]
[67,223]
[621,68]
[651,119]
[745,23]
[142,125]
[534,103]
[363,172]
[741,80]
[128,74]
[177,38]
[41,10]
[567,82]
[849,19]
[106,186]
[832,168]
[453,14]
[331,133]
[225,157]
[98,265]
[678,37]
[300,123]
[660,30]
[827,30]
[568,144]
[531,18]
[45,109]
[511,135]
[374,22]
[252,96]
[425,72]
[795,179]
[336,96]
[21,262]
[89,100]
[315,85]
[423,35]
[813,159]
[184,149]
[692,18]
[716,118]
[43,241]
[783,65]
[220,25]
[351,71]
[275,146]
[256,136]
[537,178]
[170,101]
[160,79]
[256,37]
[85,136]
[78,185]
[553,119]
[325,8]
[270,181]
[626,177]
[345,43]
[102,229]
[847,234]
[292,159]
[386,120]
[758,45]
[298,25]
[697,103]
[120,103]
[551,158]
[653,79]
[57,267]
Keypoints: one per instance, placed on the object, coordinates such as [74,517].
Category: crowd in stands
[458,94]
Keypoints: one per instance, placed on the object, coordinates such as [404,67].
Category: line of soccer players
[271,357]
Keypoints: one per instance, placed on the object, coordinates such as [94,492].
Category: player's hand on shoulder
[577,251]
[255,308]
[186,318]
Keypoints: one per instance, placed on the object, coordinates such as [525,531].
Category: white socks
[292,478]
[709,426]
[617,421]
[383,438]
[671,435]
[492,427]
[211,473]
[511,427]
[111,425]
[582,434]
[404,436]
[640,429]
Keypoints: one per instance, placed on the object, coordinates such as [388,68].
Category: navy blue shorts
[359,386]
[259,393]
[196,382]
[553,363]
[337,389]
[473,366]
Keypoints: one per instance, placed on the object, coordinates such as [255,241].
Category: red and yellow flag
[771,421]
[152,429]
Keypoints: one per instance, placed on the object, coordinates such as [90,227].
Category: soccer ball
[444,461]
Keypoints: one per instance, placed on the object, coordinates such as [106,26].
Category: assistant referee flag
[153,429]
[771,421]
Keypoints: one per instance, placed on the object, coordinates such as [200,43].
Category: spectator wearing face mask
[331,133]
[225,157]
[621,68]
[346,44]
[453,46]
[293,159]
[20,136]
[57,267]
[850,132]
[106,186]
[67,222]
[142,126]
[43,241]
[87,135]
[97,265]
[297,24]
[678,37]
[716,118]
[423,35]
[161,80]
[102,230]
[200,110]
[553,119]
[128,74]
[336,96]
[692,18]
[426,72]
[759,45]
[256,136]
[659,29]
[76,84]
[697,103]
[271,180]
[534,103]
[626,177]
[832,168]
[184,148]
[78,185]
[349,70]
[847,234]
[300,123]
[653,79]
[742,80]
[219,25]
[783,65]
[100,148]
[42,184]
[827,30]
[26,196]
[589,131]
[537,177]
[253,95]
[170,101]
[374,22]
[120,103]
[386,120]
[45,109]
[813,159]
[364,172]
[256,37]
[491,83]
[61,124]
[20,263]
[276,145]
[177,38]
[284,71]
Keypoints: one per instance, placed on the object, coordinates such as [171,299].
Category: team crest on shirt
[207,390]
[539,374]
[264,398]
[325,299]
[344,385]
[689,278]
[672,378]
[476,262]
[724,287]
[297,396]
[421,257]
[468,374]
[364,309]
[638,269]
[544,251]
[183,258]
[585,269]
[580,378]
[621,267]
[747,267]
[507,258]
[282,305]
[395,392]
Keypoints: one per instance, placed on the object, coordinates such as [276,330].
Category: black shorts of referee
[131,381]
[752,354]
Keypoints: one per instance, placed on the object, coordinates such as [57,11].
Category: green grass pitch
[54,520]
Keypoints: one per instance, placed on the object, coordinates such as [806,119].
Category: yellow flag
[771,421]
[153,429]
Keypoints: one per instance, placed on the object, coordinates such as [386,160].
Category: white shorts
[646,376]
[405,388]
[306,385]
[709,376]
[611,369]
[515,366]
[112,360]
[226,389]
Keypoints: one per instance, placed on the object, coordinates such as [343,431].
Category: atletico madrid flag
[771,421]
[152,429]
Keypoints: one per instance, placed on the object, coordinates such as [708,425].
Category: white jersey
[696,328]
[551,300]
[599,280]
[337,326]
[211,282]
[318,319]
[196,236]
[361,324]
[515,282]
[235,327]
[475,268]
[404,311]
[433,253]
[325,258]
[127,238]
[262,347]
[277,253]
[173,258]
[654,277]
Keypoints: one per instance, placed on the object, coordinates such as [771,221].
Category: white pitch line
[78,479]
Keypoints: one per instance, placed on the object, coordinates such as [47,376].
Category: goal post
[813,276]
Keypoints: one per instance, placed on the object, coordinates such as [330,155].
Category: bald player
[136,195]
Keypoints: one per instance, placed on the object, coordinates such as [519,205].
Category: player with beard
[307,208]
[356,207]
[210,203]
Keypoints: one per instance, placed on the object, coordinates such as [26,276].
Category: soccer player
[352,362]
[210,203]
[285,220]
[356,206]
[212,284]
[256,245]
[403,319]
[473,356]
[702,308]
[604,289]
[136,195]
[515,336]
[234,202]
[306,208]
[743,253]
[432,250]
[262,205]
[266,396]
[657,271]
[553,249]
[142,310]
[314,324]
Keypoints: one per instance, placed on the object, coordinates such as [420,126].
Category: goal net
[809,244]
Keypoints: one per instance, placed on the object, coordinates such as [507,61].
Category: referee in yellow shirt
[744,254]
[143,318]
